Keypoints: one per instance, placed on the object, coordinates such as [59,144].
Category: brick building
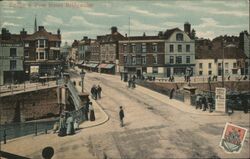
[109,51]
[41,51]
[169,53]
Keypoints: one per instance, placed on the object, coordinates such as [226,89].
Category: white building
[209,62]
[179,53]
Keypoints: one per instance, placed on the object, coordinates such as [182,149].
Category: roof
[217,53]
[110,37]
[43,33]
[13,39]
[169,32]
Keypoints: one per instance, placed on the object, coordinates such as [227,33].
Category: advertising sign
[34,69]
[220,99]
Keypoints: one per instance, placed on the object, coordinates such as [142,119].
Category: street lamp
[82,73]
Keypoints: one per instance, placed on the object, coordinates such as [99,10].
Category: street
[154,129]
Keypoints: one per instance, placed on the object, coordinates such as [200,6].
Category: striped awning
[109,66]
[103,65]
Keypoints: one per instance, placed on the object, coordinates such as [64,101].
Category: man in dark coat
[99,91]
[87,109]
[121,115]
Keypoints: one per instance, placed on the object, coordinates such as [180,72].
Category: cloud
[210,22]
[5,24]
[49,20]
[79,20]
[136,25]
[148,13]
[171,24]
[9,11]
[13,17]
[165,5]
[102,14]
[227,3]
[211,10]
[206,34]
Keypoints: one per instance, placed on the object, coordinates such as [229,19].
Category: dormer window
[179,37]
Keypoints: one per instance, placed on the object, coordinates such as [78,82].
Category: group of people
[131,83]
[171,79]
[96,92]
[66,126]
[204,102]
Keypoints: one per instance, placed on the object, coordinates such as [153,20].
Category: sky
[210,18]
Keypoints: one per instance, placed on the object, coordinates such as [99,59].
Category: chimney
[113,29]
[126,35]
[5,34]
[23,32]
[160,34]
[58,31]
[85,38]
[187,28]
[144,34]
[40,28]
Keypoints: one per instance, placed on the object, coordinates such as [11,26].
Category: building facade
[84,49]
[42,52]
[11,58]
[109,51]
[169,53]
[209,62]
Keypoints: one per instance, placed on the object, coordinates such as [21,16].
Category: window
[133,60]
[26,53]
[155,69]
[125,59]
[13,52]
[42,55]
[179,37]
[226,71]
[155,60]
[234,65]
[154,47]
[41,43]
[209,65]
[200,73]
[178,60]
[36,55]
[171,48]
[26,45]
[144,60]
[57,44]
[187,59]
[138,60]
[200,65]
[171,59]
[133,48]
[234,71]
[125,48]
[226,65]
[179,48]
[144,49]
[12,64]
[187,48]
[209,72]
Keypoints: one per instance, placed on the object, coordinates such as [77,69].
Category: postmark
[233,138]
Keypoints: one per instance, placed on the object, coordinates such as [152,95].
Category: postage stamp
[233,138]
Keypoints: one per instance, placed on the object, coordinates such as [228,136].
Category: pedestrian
[99,91]
[62,125]
[86,112]
[204,103]
[121,115]
[92,113]
[94,92]
[197,100]
[171,93]
[70,125]
[129,83]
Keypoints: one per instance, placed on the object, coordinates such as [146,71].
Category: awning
[80,62]
[93,65]
[109,66]
[103,65]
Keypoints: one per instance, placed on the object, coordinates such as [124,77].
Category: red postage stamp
[233,138]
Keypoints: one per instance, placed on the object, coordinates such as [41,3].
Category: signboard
[220,99]
[233,138]
[34,69]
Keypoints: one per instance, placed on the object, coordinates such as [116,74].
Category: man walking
[99,91]
[121,115]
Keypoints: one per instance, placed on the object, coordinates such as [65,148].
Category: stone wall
[29,105]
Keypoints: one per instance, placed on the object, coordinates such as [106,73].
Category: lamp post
[82,77]
[223,65]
